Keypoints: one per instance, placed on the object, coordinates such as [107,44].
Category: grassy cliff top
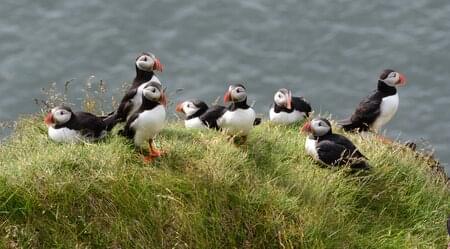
[209,193]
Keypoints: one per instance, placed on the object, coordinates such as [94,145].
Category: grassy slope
[208,193]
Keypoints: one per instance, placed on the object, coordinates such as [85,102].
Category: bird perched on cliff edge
[377,109]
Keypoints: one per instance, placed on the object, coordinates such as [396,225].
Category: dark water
[329,51]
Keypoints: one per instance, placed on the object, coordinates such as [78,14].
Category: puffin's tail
[360,165]
[111,120]
[257,121]
[346,124]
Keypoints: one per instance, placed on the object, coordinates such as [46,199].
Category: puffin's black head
[235,93]
[283,97]
[153,91]
[190,107]
[318,127]
[148,62]
[58,116]
[392,78]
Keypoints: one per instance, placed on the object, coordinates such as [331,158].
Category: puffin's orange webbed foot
[154,153]
[147,159]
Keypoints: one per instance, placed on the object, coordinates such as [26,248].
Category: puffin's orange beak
[227,97]
[402,80]
[289,101]
[163,99]
[306,127]
[48,120]
[179,108]
[158,66]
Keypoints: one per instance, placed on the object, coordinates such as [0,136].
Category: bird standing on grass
[287,109]
[148,120]
[329,148]
[146,64]
[377,109]
[67,126]
[237,119]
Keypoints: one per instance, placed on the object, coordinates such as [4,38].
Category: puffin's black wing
[128,131]
[300,104]
[365,114]
[257,121]
[349,146]
[87,122]
[209,118]
[122,111]
[341,152]
[126,104]
[331,153]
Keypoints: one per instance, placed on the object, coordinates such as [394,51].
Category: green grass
[208,193]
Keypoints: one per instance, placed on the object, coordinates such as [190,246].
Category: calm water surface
[329,51]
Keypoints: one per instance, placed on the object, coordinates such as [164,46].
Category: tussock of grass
[208,193]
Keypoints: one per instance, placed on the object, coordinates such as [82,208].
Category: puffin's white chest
[64,135]
[194,123]
[237,122]
[388,108]
[310,147]
[148,124]
[284,117]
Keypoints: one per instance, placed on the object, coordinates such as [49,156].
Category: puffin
[237,119]
[331,149]
[377,109]
[193,109]
[66,126]
[148,120]
[146,64]
[287,109]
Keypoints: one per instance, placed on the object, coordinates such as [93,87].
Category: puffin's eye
[238,90]
[61,112]
[188,106]
[320,124]
[153,90]
[279,96]
[145,58]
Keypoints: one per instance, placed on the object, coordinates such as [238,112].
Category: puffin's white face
[283,98]
[152,92]
[189,108]
[149,63]
[395,79]
[235,94]
[318,127]
[58,116]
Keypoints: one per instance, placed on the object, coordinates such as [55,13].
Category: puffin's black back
[298,103]
[85,122]
[337,150]
[209,118]
[368,109]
